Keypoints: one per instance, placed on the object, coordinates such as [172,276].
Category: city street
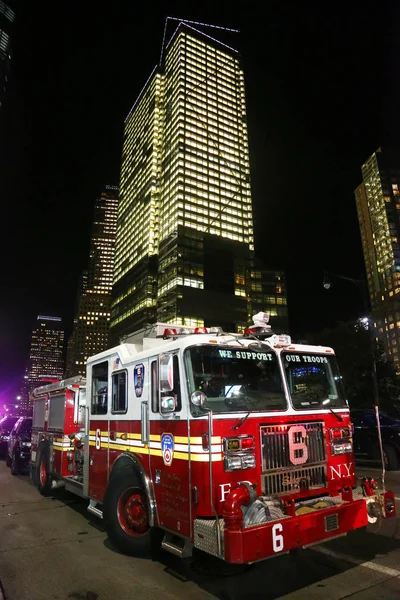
[53,549]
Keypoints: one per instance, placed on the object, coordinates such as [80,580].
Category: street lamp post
[362,288]
[361,285]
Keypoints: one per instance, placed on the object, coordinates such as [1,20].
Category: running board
[177,546]
[92,508]
[75,487]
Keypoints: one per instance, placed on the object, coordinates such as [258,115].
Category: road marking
[355,561]
[397,498]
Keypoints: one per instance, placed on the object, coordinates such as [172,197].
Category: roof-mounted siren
[262,330]
[260,327]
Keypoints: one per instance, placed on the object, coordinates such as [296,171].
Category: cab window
[119,396]
[99,389]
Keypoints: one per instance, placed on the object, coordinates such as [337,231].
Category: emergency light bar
[183,330]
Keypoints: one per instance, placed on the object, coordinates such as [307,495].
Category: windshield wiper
[242,420]
[325,402]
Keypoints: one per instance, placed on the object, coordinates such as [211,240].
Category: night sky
[322,94]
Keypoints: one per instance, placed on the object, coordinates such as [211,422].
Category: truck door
[99,390]
[168,437]
[125,413]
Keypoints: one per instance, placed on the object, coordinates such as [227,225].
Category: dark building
[92,313]
[46,360]
[185,245]
[7,18]
[378,208]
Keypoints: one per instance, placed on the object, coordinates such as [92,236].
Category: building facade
[7,19]
[46,357]
[185,244]
[92,313]
[378,209]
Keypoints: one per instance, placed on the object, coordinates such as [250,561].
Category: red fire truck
[239,445]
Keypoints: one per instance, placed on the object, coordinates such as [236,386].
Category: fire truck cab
[239,445]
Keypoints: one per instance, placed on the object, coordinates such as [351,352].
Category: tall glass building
[7,19]
[92,318]
[46,359]
[185,243]
[378,208]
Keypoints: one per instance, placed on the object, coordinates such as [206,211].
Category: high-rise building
[185,245]
[92,313]
[7,18]
[378,208]
[46,360]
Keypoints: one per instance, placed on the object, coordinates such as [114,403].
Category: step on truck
[239,445]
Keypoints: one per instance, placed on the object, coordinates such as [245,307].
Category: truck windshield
[233,379]
[313,381]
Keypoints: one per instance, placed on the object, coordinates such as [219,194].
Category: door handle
[145,423]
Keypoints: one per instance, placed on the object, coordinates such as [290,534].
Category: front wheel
[126,516]
[14,465]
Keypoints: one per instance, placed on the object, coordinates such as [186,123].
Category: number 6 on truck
[277,538]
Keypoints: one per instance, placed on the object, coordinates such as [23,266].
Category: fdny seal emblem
[138,379]
[167,448]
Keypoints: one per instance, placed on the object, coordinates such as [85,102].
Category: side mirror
[166,372]
[168,405]
[198,398]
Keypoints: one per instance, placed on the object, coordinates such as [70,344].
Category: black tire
[391,458]
[139,542]
[14,465]
[8,461]
[43,476]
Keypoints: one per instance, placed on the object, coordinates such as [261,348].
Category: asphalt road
[51,548]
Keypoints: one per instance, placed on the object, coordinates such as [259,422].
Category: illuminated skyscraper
[92,317]
[7,18]
[378,208]
[46,361]
[184,250]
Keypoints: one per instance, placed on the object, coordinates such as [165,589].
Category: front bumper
[279,537]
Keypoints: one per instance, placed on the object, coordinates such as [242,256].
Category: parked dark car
[19,445]
[366,440]
[6,425]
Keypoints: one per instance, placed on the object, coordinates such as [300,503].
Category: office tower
[92,313]
[185,245]
[378,208]
[46,361]
[7,18]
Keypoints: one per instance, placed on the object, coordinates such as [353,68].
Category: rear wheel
[390,458]
[14,465]
[126,515]
[8,461]
[43,477]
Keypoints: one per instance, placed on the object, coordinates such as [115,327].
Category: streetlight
[367,321]
[361,285]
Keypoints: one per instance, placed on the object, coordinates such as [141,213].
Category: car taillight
[238,453]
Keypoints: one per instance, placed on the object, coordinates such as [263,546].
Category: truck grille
[280,475]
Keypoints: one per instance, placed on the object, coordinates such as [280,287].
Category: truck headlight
[237,462]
